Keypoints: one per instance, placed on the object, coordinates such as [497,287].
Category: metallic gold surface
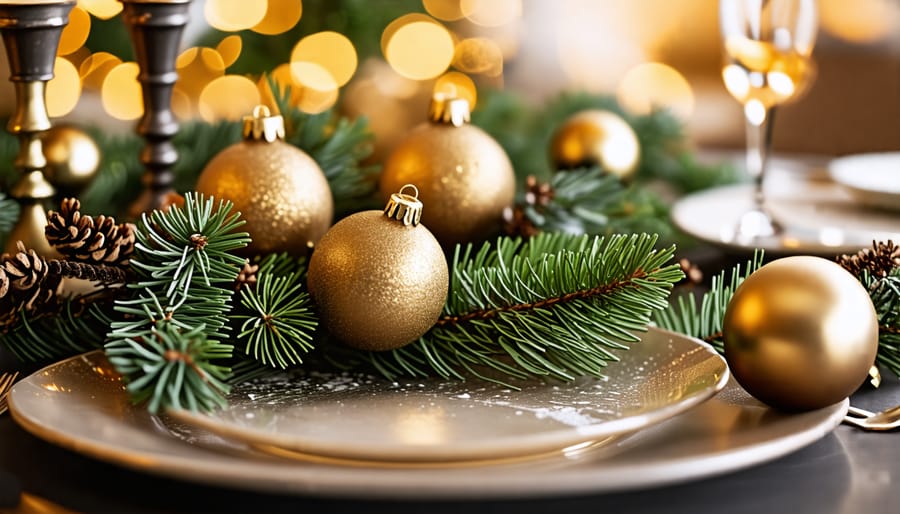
[464,179]
[73,158]
[596,138]
[280,191]
[800,333]
[378,284]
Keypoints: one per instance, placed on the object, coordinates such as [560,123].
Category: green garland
[185,326]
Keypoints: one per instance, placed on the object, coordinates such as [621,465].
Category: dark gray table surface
[848,471]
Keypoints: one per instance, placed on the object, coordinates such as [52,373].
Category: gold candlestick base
[31,34]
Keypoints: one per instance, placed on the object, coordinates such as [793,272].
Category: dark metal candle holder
[31,35]
[155,28]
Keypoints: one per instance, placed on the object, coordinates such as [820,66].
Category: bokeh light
[304,98]
[234,15]
[491,13]
[228,98]
[196,68]
[103,9]
[446,10]
[76,32]
[418,47]
[457,85]
[94,69]
[230,49]
[281,16]
[478,55]
[64,89]
[330,51]
[655,85]
[312,75]
[862,21]
[121,92]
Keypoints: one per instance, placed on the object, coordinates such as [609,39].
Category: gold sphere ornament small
[596,138]
[463,174]
[379,278]
[73,159]
[280,190]
[800,333]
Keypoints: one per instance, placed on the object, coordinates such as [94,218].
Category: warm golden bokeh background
[648,53]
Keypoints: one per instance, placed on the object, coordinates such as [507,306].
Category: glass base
[753,225]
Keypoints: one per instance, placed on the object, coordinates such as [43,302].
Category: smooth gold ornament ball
[596,138]
[800,333]
[73,158]
[379,279]
[464,177]
[280,191]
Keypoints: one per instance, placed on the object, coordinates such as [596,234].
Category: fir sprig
[590,201]
[277,323]
[556,305]
[878,270]
[9,214]
[703,318]
[68,327]
[177,321]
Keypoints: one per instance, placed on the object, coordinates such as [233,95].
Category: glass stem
[759,145]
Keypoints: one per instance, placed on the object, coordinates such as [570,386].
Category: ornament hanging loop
[449,110]
[405,208]
[262,125]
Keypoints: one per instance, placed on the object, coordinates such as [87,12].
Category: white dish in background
[820,217]
[873,179]
[81,405]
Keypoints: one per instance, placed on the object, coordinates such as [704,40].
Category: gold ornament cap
[262,125]
[449,110]
[406,209]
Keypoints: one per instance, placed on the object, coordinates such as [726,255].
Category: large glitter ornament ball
[379,278]
[73,159]
[280,190]
[800,333]
[463,174]
[596,138]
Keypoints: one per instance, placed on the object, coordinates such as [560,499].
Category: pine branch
[703,319]
[276,320]
[878,270]
[585,201]
[65,328]
[177,320]
[556,305]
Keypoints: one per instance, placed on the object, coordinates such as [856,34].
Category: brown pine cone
[26,269]
[85,239]
[879,261]
[67,228]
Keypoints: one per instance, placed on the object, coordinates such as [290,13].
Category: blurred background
[383,58]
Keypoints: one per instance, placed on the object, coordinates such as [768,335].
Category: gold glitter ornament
[596,138]
[73,159]
[463,174]
[280,190]
[800,333]
[379,278]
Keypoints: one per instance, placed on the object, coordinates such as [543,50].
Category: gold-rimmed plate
[81,404]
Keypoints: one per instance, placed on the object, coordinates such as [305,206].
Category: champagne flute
[768,47]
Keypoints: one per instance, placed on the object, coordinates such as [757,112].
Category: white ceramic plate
[873,179]
[366,418]
[81,405]
[820,217]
